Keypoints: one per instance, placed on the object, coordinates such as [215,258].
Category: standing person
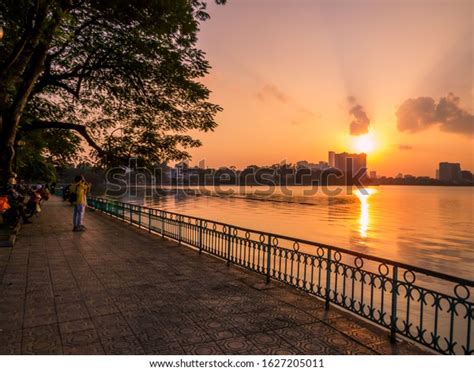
[78,195]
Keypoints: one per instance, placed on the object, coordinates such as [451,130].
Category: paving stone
[80,338]
[40,320]
[210,348]
[111,326]
[123,345]
[238,345]
[71,311]
[172,348]
[41,340]
[75,326]
[271,343]
[87,349]
[10,348]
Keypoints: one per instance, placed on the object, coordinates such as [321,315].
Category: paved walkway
[118,290]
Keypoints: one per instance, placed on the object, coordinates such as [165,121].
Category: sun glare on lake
[364,220]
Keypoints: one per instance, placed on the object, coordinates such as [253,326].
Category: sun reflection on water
[364,219]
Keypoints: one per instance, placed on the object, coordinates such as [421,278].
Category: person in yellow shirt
[78,196]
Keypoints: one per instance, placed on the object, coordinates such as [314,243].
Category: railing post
[162,224]
[328,278]
[269,258]
[179,229]
[149,220]
[200,236]
[228,245]
[131,214]
[393,317]
[139,216]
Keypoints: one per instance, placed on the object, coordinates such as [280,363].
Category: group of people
[19,202]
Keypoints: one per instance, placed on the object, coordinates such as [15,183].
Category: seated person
[33,204]
[16,211]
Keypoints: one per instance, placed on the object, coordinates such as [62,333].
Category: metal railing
[427,307]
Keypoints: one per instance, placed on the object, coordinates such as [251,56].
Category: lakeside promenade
[115,289]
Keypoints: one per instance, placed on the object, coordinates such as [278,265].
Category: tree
[121,74]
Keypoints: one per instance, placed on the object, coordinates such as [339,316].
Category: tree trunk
[7,153]
[11,120]
[31,60]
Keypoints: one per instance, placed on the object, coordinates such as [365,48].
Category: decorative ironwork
[427,307]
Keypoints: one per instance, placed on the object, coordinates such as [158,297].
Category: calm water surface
[430,227]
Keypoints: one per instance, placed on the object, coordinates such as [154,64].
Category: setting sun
[364,143]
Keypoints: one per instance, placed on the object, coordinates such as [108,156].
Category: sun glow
[364,143]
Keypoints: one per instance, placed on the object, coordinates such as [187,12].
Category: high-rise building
[332,159]
[351,162]
[449,172]
[373,174]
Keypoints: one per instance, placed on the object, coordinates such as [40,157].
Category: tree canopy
[124,75]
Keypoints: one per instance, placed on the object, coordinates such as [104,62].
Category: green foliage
[40,152]
[30,162]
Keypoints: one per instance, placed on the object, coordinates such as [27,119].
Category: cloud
[270,92]
[273,92]
[361,122]
[417,114]
[405,147]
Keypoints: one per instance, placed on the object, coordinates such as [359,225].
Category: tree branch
[79,72]
[80,129]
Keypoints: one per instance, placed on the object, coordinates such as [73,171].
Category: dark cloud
[404,146]
[272,91]
[361,122]
[420,113]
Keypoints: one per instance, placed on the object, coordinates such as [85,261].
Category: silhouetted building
[449,172]
[344,160]
[466,175]
[332,159]
[373,175]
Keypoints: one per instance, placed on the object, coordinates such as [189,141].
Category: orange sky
[283,71]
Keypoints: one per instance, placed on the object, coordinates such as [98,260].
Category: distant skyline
[299,78]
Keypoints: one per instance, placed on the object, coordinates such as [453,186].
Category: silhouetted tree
[122,74]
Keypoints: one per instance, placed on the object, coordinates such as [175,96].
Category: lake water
[430,227]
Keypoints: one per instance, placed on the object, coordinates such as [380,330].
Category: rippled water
[430,227]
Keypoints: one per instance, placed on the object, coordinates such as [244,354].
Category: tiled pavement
[118,290]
